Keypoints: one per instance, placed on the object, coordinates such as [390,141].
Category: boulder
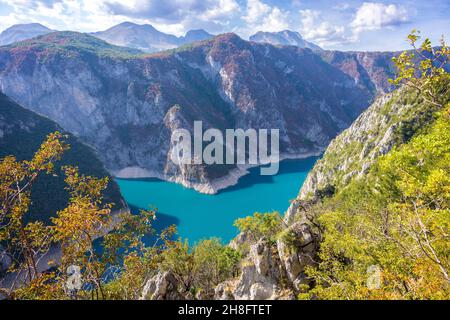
[259,276]
[297,253]
[163,286]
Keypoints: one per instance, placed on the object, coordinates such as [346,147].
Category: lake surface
[200,216]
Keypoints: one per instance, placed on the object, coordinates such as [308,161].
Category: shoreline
[214,186]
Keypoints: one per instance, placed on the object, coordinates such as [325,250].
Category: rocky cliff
[126,104]
[146,38]
[283,38]
[277,270]
[389,122]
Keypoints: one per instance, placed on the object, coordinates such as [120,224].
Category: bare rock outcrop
[163,286]
[297,249]
[260,276]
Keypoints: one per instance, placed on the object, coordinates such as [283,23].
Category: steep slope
[344,219]
[146,38]
[389,122]
[284,38]
[22,132]
[126,105]
[370,69]
[20,32]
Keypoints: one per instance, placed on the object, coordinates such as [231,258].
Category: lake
[200,216]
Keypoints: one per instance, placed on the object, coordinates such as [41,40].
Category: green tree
[396,219]
[423,69]
[260,225]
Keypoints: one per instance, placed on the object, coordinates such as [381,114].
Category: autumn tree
[385,235]
[26,242]
[424,68]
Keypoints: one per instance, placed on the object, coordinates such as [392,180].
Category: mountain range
[126,104]
[283,38]
[148,39]
[21,32]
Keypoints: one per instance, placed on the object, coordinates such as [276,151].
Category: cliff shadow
[286,166]
[161,222]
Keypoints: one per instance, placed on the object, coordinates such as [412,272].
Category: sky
[339,25]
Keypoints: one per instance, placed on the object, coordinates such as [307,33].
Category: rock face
[21,32]
[388,122]
[297,250]
[272,271]
[146,38]
[162,286]
[369,69]
[283,38]
[127,105]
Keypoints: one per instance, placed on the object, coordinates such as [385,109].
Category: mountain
[146,38]
[391,121]
[127,105]
[143,37]
[283,38]
[22,132]
[353,197]
[21,32]
[195,35]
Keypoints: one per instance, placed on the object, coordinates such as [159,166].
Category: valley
[132,160]
[126,104]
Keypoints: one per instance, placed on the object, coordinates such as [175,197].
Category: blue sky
[341,25]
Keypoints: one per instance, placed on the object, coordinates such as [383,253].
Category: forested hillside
[21,134]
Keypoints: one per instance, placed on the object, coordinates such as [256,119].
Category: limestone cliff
[126,104]
[390,121]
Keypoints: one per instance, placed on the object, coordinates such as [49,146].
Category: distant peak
[128,24]
[33,25]
[228,38]
[196,35]
[196,31]
[282,32]
[285,37]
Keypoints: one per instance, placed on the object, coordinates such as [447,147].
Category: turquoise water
[200,216]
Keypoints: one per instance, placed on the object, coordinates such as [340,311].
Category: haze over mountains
[22,132]
[283,38]
[126,104]
[148,39]
[21,32]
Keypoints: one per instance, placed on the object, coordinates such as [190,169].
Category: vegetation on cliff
[378,230]
[385,234]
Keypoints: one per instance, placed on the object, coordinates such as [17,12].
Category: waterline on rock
[199,215]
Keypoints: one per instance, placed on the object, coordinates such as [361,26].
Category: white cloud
[342,6]
[263,17]
[313,28]
[175,16]
[374,16]
[222,9]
